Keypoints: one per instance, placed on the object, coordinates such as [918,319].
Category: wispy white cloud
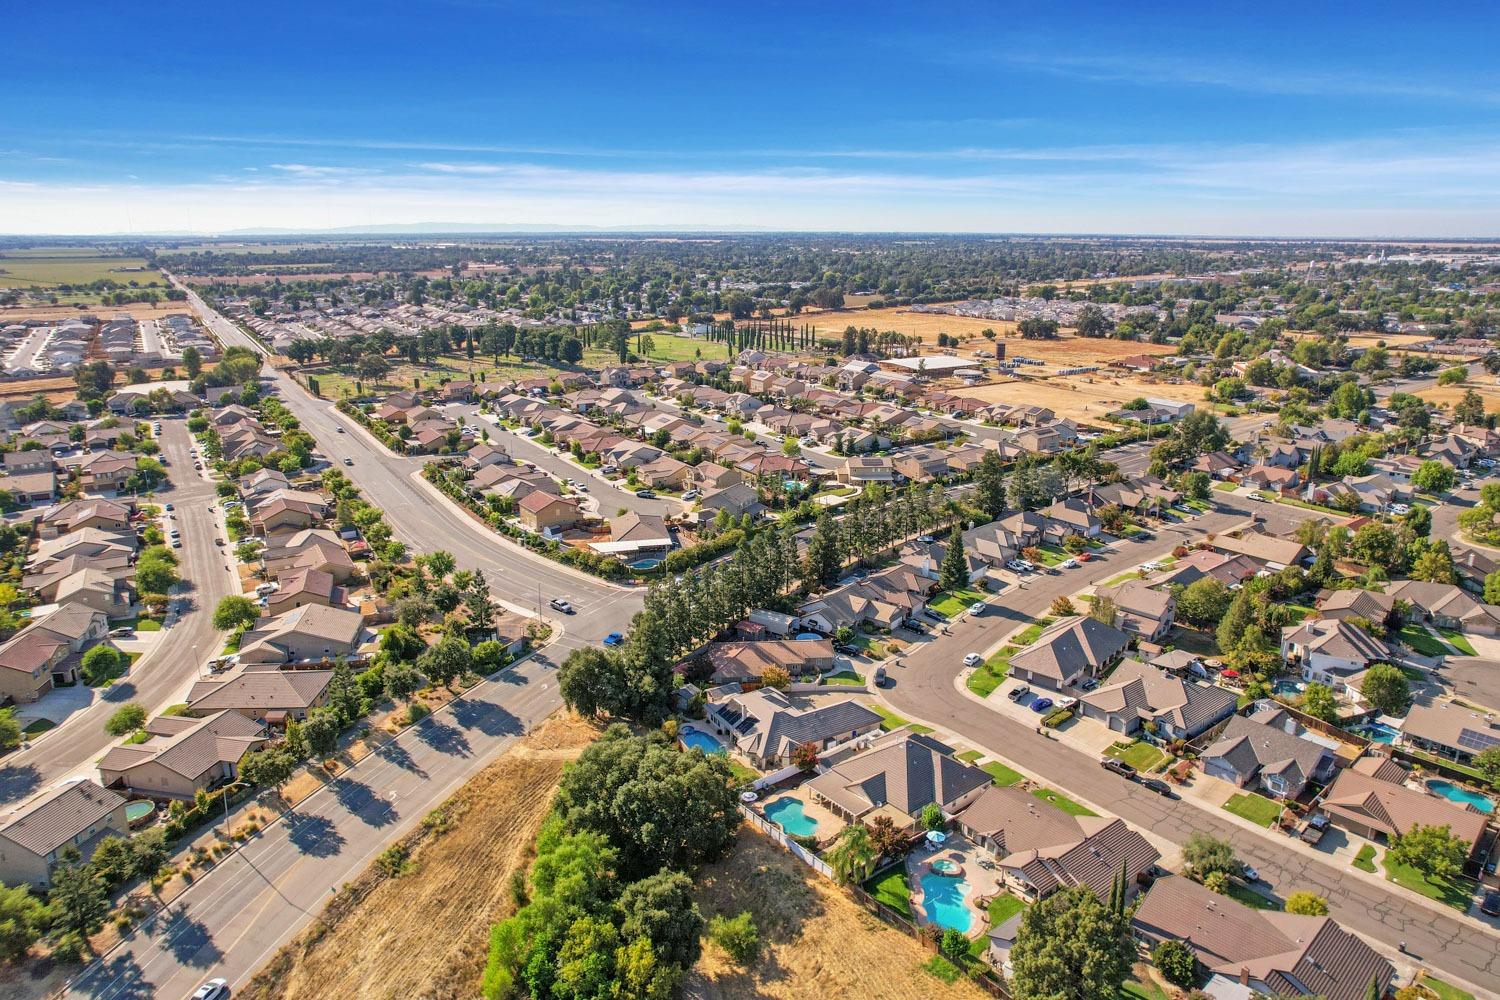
[1174,70]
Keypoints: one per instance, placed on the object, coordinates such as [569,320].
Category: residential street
[158,678]
[925,689]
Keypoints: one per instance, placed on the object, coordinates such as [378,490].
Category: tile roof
[48,822]
[1069,645]
[906,772]
[1392,808]
[193,749]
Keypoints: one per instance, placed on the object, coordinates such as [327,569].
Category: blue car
[1041,704]
[613,639]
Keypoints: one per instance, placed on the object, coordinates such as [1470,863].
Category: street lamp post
[225,798]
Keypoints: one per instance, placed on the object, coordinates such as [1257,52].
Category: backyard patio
[950,882]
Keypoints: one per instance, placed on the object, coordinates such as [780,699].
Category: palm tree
[853,857]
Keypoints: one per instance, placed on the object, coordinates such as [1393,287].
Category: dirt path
[425,934]
[820,943]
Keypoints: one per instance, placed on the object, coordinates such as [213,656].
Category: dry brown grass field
[819,943]
[1082,397]
[1487,386]
[426,933]
[137,310]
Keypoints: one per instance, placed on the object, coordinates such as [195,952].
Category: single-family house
[899,776]
[182,755]
[1171,708]
[1270,751]
[1327,650]
[767,725]
[309,633]
[34,835]
[1068,651]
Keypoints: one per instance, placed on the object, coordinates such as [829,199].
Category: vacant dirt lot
[1448,395]
[138,310]
[426,933]
[820,944]
[1082,397]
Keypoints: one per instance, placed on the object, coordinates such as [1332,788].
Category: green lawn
[1457,640]
[988,675]
[1051,555]
[38,726]
[1002,774]
[1307,610]
[954,603]
[1003,907]
[1134,989]
[1248,896]
[1201,506]
[889,720]
[845,677]
[1446,991]
[1062,802]
[742,775]
[867,646]
[970,756]
[893,890]
[1226,487]
[1365,859]
[1421,641]
[1458,893]
[1256,808]
[1029,634]
[1141,756]
[1118,579]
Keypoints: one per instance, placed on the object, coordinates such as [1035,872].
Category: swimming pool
[787,813]
[1456,793]
[699,740]
[943,899]
[645,564]
[1288,687]
[1376,732]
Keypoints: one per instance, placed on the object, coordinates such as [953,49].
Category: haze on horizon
[1301,122]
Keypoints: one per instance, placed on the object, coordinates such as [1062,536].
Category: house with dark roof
[1378,810]
[1068,651]
[899,776]
[1138,693]
[34,835]
[1040,848]
[767,725]
[1271,752]
[1264,951]
[269,696]
[1327,650]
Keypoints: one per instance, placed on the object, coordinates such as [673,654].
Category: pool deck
[829,825]
[979,870]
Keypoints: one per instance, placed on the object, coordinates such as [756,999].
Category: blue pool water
[1288,687]
[698,739]
[645,564]
[1464,797]
[788,814]
[1376,732]
[943,899]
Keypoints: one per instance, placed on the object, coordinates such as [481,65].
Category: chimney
[1244,976]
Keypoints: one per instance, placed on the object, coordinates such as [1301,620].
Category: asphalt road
[232,918]
[924,688]
[235,916]
[157,678]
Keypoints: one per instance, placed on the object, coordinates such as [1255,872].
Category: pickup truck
[1313,830]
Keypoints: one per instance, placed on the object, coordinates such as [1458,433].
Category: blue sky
[1267,119]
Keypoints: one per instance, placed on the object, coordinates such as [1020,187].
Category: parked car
[1490,905]
[1121,768]
[846,649]
[977,608]
[1085,557]
[1041,705]
[646,494]
[169,507]
[690,495]
[973,660]
[879,677]
[1400,508]
[1249,874]
[614,639]
[338,430]
[1069,564]
[348,461]
[1159,787]
[1315,828]
[1150,567]
[913,625]
[558,604]
[926,539]
[1019,691]
[936,616]
[1089,683]
[1064,701]
[123,632]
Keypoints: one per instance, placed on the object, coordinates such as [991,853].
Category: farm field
[288,272]
[819,942]
[902,320]
[426,933]
[34,270]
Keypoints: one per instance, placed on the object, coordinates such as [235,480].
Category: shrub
[102,664]
[416,712]
[954,946]
[1174,960]
[394,860]
[126,719]
[738,936]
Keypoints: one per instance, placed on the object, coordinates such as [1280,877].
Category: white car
[1069,564]
[214,989]
[690,495]
[973,660]
[1017,566]
[1400,508]
[1151,567]
[1063,701]
[977,608]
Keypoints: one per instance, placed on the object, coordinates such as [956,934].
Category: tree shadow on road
[487,717]
[314,836]
[119,691]
[402,758]
[444,738]
[189,941]
[118,978]
[362,802]
[18,782]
